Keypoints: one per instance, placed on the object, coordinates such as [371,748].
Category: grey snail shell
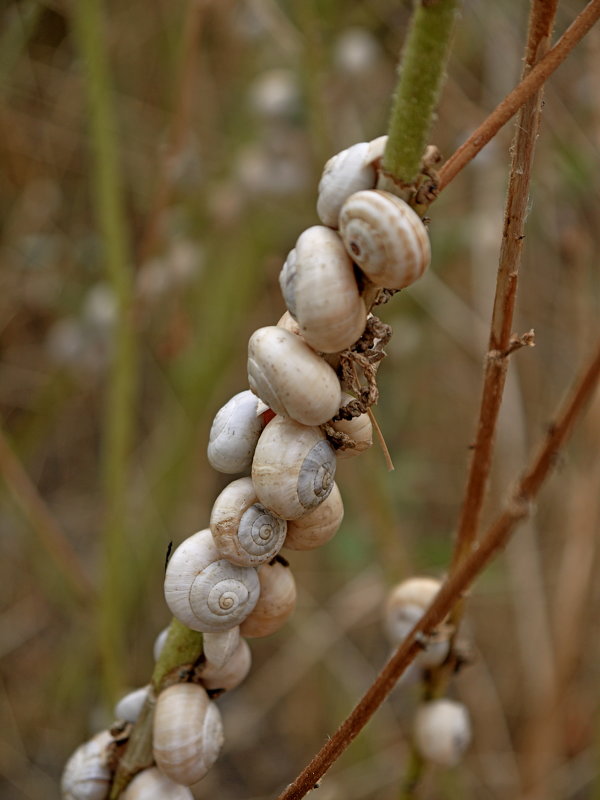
[87,774]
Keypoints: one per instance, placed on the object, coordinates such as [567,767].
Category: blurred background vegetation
[125,340]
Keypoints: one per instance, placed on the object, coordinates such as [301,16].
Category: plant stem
[117,439]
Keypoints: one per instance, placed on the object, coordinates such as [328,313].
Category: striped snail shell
[206,592]
[318,526]
[385,237]
[87,774]
[244,531]
[151,784]
[187,733]
[234,433]
[230,674]
[442,731]
[293,468]
[276,602]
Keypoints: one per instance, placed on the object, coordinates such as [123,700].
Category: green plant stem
[117,438]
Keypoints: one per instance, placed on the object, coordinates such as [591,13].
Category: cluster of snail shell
[228,581]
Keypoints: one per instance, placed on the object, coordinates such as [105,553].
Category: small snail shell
[291,378]
[219,647]
[293,469]
[151,784]
[187,733]
[234,433]
[359,429]
[128,708]
[385,237]
[244,531]
[276,602]
[231,674]
[87,775]
[442,731]
[318,526]
[288,323]
[206,592]
[405,606]
[159,643]
[323,291]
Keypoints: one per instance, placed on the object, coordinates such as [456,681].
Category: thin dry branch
[516,508]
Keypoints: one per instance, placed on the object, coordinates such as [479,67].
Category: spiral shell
[442,731]
[385,237]
[317,527]
[276,602]
[151,784]
[87,775]
[128,708]
[219,647]
[206,592]
[359,429]
[234,433]
[291,378]
[244,531]
[230,674]
[187,734]
[293,469]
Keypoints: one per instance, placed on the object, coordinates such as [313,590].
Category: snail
[287,322]
[321,292]
[291,378]
[151,784]
[219,647]
[159,643]
[359,429]
[128,708]
[244,531]
[187,733]
[346,173]
[318,526]
[206,592]
[385,237]
[234,433]
[87,774]
[442,731]
[276,602]
[293,469]
[232,673]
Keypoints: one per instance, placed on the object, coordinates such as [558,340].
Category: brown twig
[516,508]
[520,94]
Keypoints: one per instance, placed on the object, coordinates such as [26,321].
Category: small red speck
[268,415]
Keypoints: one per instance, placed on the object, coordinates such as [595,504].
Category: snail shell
[219,647]
[442,731]
[87,775]
[234,433]
[187,733]
[359,429]
[128,708]
[318,526]
[288,323]
[244,531]
[151,784]
[159,643]
[206,592]
[323,291]
[385,237]
[293,469]
[291,378]
[231,674]
[276,602]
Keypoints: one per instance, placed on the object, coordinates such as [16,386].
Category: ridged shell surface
[151,784]
[206,592]
[293,469]
[230,674]
[385,237]
[234,433]
[86,775]
[276,602]
[187,733]
[344,174]
[291,378]
[317,527]
[442,731]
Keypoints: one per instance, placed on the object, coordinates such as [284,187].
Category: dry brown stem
[516,508]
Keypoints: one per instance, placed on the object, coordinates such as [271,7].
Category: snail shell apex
[442,731]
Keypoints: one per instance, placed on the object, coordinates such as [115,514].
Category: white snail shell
[385,237]
[206,592]
[323,292]
[288,323]
[187,734]
[404,607]
[230,674]
[159,643]
[87,775]
[293,469]
[244,531]
[359,429]
[219,647]
[317,527]
[234,433]
[129,706]
[442,731]
[276,602]
[291,378]
[151,784]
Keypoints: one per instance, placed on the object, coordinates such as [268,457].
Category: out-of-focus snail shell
[151,784]
[291,378]
[359,429]
[230,674]
[87,775]
[317,527]
[323,291]
[385,237]
[159,643]
[234,433]
[276,602]
[244,531]
[219,647]
[187,734]
[205,591]
[442,731]
[128,708]
[293,469]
